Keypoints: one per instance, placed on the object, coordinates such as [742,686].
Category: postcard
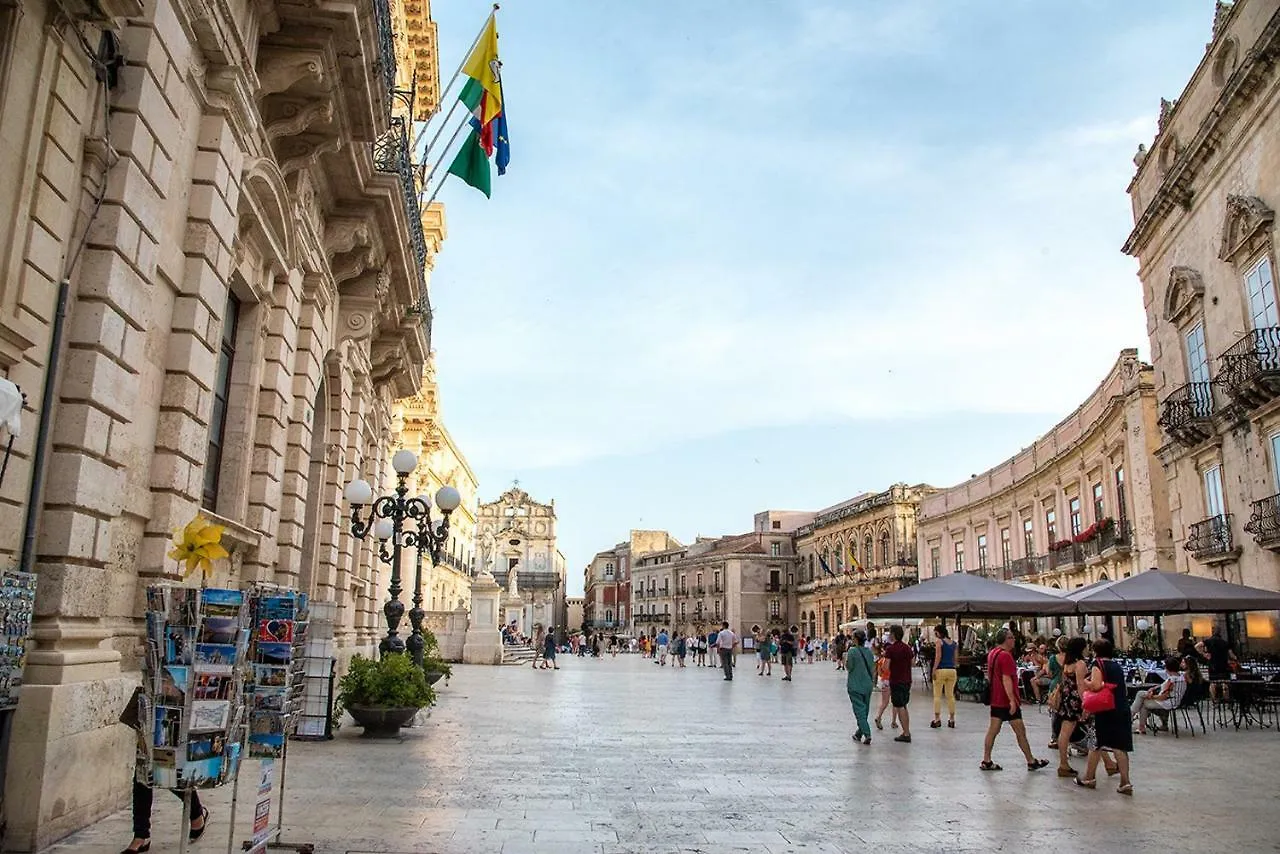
[262,723]
[277,608]
[215,658]
[220,630]
[204,773]
[212,687]
[275,630]
[199,749]
[168,729]
[264,702]
[274,653]
[270,676]
[178,641]
[218,602]
[266,745]
[207,715]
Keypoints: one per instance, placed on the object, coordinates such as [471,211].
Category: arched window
[868,550]
[811,567]
[853,612]
[885,558]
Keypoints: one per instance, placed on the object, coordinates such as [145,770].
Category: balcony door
[1197,355]
[1275,458]
[1260,284]
[1213,491]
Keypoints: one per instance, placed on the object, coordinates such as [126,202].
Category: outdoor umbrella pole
[1160,633]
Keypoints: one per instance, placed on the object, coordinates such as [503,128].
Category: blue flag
[822,560]
[502,143]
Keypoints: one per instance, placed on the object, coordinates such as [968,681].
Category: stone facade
[1204,201]
[230,210]
[1085,502]
[574,607]
[418,426]
[607,581]
[742,578]
[516,541]
[869,545]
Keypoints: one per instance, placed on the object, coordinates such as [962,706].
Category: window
[1260,285]
[221,393]
[683,610]
[791,579]
[826,622]
[777,526]
[1051,526]
[959,557]
[1275,459]
[1074,507]
[868,552]
[935,560]
[608,615]
[1006,553]
[608,572]
[811,567]
[775,608]
[717,609]
[666,608]
[512,562]
[982,551]
[1213,491]
[1028,538]
[885,559]
[683,588]
[775,549]
[1121,512]
[1197,355]
[774,579]
[1098,508]
[716,580]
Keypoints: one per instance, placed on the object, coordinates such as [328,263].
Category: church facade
[516,541]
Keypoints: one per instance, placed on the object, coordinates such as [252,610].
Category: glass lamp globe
[1088,630]
[1057,633]
[448,499]
[404,461]
[425,499]
[384,529]
[1143,625]
[358,491]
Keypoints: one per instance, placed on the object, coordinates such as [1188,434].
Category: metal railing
[1251,367]
[1210,538]
[386,46]
[391,154]
[537,580]
[1186,413]
[1264,521]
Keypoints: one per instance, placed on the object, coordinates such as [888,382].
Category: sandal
[989,766]
[951,723]
[1037,765]
[146,846]
[1126,789]
[1086,784]
[197,832]
[1053,745]
[1067,771]
[935,724]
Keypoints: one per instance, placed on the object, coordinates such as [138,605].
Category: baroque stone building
[868,546]
[214,289]
[607,581]
[1204,201]
[1085,502]
[418,426]
[517,543]
[741,578]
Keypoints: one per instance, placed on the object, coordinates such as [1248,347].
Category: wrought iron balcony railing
[386,46]
[1211,538]
[1251,368]
[537,580]
[391,154]
[1065,557]
[1187,413]
[1264,522]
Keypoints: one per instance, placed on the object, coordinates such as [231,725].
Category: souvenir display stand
[191,712]
[275,688]
[17,606]
[318,666]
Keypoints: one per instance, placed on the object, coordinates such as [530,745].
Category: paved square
[620,755]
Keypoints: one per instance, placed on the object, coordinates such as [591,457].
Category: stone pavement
[620,755]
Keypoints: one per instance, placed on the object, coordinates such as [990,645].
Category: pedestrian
[143,795]
[682,648]
[944,676]
[860,680]
[1002,671]
[700,650]
[713,647]
[762,650]
[1073,724]
[549,649]
[1111,722]
[613,646]
[595,647]
[900,658]
[664,641]
[882,683]
[725,642]
[537,647]
[841,645]
[787,652]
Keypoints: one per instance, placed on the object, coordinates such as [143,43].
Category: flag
[483,67]
[471,164]
[502,142]
[853,559]
[823,561]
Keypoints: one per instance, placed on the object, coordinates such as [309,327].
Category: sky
[756,254]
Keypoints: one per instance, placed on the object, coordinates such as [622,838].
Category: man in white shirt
[1166,698]
[725,642]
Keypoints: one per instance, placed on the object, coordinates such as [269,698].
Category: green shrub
[391,682]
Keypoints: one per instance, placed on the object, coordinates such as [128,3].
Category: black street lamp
[387,517]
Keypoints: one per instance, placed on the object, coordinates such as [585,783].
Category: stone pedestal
[484,641]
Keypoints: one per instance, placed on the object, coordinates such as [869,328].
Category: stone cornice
[1176,189]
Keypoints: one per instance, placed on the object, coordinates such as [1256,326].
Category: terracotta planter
[379,722]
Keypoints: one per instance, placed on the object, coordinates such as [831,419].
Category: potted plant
[384,695]
[433,665]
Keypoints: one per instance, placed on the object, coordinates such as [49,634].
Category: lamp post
[387,517]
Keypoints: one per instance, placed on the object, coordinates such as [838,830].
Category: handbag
[1055,698]
[1096,702]
[131,716]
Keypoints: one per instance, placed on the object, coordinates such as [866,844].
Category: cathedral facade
[516,541]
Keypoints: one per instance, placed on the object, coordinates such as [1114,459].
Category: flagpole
[431,174]
[445,90]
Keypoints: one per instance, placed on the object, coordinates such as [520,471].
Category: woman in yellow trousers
[944,676]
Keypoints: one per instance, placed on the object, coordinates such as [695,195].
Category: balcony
[775,588]
[1066,556]
[1210,541]
[1111,539]
[698,591]
[537,580]
[1264,522]
[391,154]
[1187,414]
[1251,368]
[1024,567]
[777,620]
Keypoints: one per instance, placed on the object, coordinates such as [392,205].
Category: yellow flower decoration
[198,545]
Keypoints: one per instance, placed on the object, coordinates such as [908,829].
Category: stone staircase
[517,655]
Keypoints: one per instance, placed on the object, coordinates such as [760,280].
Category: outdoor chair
[1192,698]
